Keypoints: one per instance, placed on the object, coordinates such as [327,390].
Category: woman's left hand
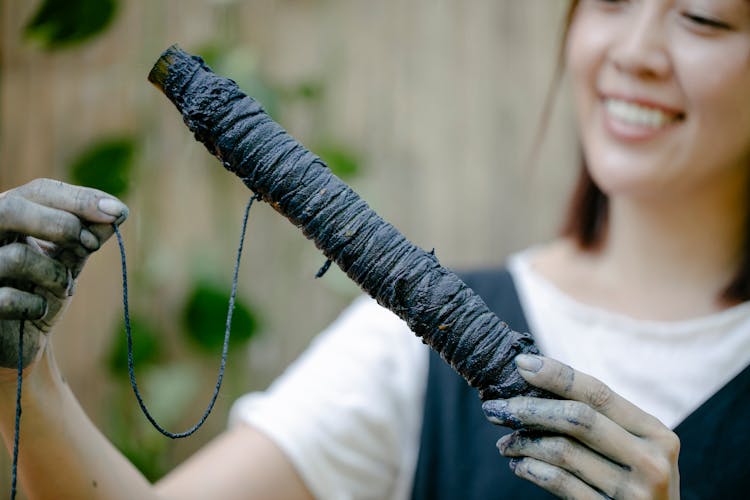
[591,443]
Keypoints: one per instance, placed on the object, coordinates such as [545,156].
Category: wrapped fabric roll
[438,307]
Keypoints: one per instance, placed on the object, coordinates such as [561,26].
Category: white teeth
[635,114]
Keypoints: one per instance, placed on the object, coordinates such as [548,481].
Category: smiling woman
[663,113]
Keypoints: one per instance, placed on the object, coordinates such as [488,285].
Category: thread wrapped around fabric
[434,302]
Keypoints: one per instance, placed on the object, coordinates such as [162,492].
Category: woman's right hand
[47,231]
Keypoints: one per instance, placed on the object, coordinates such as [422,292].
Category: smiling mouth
[640,115]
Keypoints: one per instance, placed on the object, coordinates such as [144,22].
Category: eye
[609,5]
[705,22]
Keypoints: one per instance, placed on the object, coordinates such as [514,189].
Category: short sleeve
[348,412]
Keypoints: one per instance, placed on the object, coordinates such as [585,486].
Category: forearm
[62,454]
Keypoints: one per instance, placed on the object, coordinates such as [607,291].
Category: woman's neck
[663,258]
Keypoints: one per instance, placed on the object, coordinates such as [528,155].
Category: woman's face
[662,90]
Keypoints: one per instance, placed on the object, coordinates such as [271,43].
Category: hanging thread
[131,364]
[227,330]
[17,428]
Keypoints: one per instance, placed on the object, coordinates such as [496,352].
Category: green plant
[59,24]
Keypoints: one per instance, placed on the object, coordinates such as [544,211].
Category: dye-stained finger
[75,258]
[21,216]
[554,479]
[91,205]
[570,418]
[17,304]
[22,264]
[103,232]
[570,455]
[563,380]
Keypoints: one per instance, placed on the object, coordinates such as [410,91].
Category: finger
[19,215]
[54,307]
[75,258]
[102,232]
[569,455]
[16,304]
[554,479]
[571,418]
[91,205]
[20,263]
[561,379]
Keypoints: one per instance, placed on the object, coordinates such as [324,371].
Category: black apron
[458,458]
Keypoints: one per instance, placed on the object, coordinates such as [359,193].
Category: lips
[637,120]
[637,114]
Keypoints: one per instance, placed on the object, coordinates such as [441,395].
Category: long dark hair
[588,214]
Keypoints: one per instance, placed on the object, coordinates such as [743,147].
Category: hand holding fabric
[590,443]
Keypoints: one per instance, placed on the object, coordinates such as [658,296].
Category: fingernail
[113,207]
[495,407]
[71,288]
[88,240]
[503,443]
[496,411]
[529,363]
[513,464]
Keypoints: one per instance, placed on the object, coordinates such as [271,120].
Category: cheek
[583,48]
[589,42]
[581,58]
[716,88]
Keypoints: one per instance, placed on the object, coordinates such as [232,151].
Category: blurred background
[428,108]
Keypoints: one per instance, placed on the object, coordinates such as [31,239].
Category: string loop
[227,331]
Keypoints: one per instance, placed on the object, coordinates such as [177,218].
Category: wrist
[42,373]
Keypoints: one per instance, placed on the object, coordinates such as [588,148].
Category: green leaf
[205,313]
[310,90]
[62,23]
[146,347]
[343,161]
[105,165]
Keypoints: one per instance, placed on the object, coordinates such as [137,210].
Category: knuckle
[638,494]
[17,304]
[523,407]
[68,226]
[656,469]
[670,443]
[559,450]
[6,299]
[579,415]
[16,256]
[37,186]
[599,396]
[81,199]
[10,205]
[563,377]
[556,479]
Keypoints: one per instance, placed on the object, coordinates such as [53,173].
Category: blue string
[225,348]
[17,431]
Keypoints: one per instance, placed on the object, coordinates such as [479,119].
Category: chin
[620,180]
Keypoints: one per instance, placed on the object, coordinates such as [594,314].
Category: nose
[641,50]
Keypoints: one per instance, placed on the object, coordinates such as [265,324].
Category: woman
[646,292]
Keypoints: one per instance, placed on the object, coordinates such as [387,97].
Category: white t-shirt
[348,412]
